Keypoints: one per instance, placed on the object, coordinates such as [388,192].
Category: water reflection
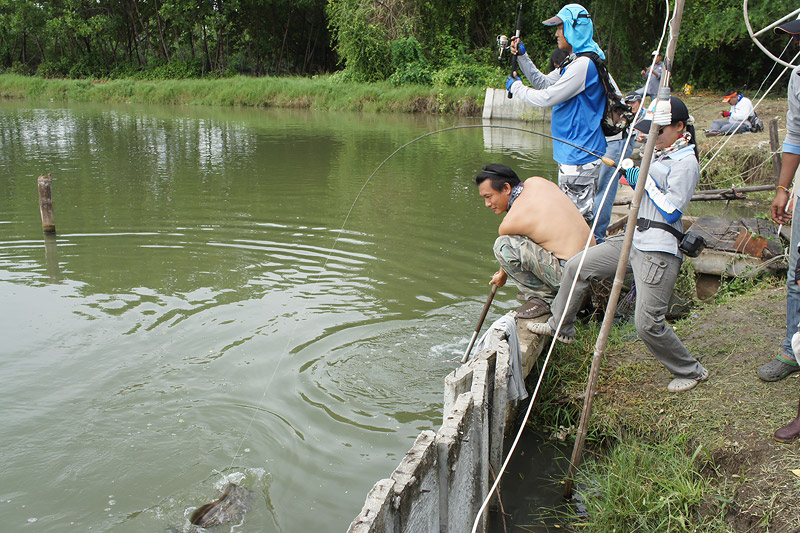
[217,302]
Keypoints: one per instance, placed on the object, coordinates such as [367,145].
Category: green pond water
[229,298]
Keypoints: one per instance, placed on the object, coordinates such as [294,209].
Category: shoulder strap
[644,224]
[602,71]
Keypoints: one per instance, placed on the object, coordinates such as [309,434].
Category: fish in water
[230,507]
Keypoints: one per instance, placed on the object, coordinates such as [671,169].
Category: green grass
[319,93]
[646,486]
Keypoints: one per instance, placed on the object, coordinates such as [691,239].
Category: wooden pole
[46,203]
[622,265]
[774,146]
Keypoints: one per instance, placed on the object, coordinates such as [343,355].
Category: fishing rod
[514,62]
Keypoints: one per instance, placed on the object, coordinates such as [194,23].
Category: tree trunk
[164,48]
[283,45]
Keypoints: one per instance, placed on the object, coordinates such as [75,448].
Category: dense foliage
[428,42]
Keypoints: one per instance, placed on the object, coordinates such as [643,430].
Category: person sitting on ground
[737,120]
[543,230]
[654,257]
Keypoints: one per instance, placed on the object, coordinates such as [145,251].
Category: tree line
[429,42]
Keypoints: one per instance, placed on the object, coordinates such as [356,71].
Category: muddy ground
[733,415]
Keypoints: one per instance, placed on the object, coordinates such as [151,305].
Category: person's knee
[505,251]
[650,321]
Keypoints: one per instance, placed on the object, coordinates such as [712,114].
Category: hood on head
[579,29]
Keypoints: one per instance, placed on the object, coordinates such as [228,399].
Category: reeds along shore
[318,93]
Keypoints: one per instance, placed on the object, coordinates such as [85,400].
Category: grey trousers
[727,127]
[655,274]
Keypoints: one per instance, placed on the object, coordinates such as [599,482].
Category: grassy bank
[703,460]
[319,93]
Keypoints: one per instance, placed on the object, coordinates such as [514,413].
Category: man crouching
[536,238]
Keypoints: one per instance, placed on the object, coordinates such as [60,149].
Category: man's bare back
[544,214]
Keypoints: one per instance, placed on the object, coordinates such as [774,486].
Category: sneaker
[776,370]
[684,384]
[543,328]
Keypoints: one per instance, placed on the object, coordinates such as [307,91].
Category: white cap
[655,53]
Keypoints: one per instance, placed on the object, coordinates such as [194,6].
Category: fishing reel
[502,44]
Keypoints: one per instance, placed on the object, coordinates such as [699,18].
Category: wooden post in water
[773,147]
[46,203]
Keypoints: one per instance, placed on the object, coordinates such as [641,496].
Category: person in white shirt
[737,120]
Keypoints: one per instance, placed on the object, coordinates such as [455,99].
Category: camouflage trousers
[579,183]
[533,269]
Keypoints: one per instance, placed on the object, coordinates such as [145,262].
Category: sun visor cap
[729,96]
[792,28]
[553,21]
[679,111]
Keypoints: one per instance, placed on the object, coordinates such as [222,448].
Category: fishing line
[730,135]
[341,230]
[524,421]
[774,64]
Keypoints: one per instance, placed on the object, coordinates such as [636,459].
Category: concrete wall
[444,478]
[497,105]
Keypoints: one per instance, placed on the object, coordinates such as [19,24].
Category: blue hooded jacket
[578,119]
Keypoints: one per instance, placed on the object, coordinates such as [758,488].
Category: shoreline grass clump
[651,484]
[318,93]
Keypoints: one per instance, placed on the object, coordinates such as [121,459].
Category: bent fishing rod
[606,160]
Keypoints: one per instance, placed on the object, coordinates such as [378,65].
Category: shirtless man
[536,238]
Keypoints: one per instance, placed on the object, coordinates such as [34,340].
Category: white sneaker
[796,345]
[684,384]
[543,328]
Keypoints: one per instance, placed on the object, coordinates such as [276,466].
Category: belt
[644,224]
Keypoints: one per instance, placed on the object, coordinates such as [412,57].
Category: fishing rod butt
[469,348]
[608,161]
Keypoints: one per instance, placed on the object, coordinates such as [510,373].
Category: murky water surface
[228,299]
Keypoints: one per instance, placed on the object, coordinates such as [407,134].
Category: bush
[360,43]
[53,69]
[467,75]
[409,63]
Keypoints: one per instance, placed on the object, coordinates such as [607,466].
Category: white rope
[532,400]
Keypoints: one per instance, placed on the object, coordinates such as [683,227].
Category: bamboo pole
[622,265]
[46,203]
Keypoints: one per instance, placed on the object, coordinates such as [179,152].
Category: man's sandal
[534,308]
